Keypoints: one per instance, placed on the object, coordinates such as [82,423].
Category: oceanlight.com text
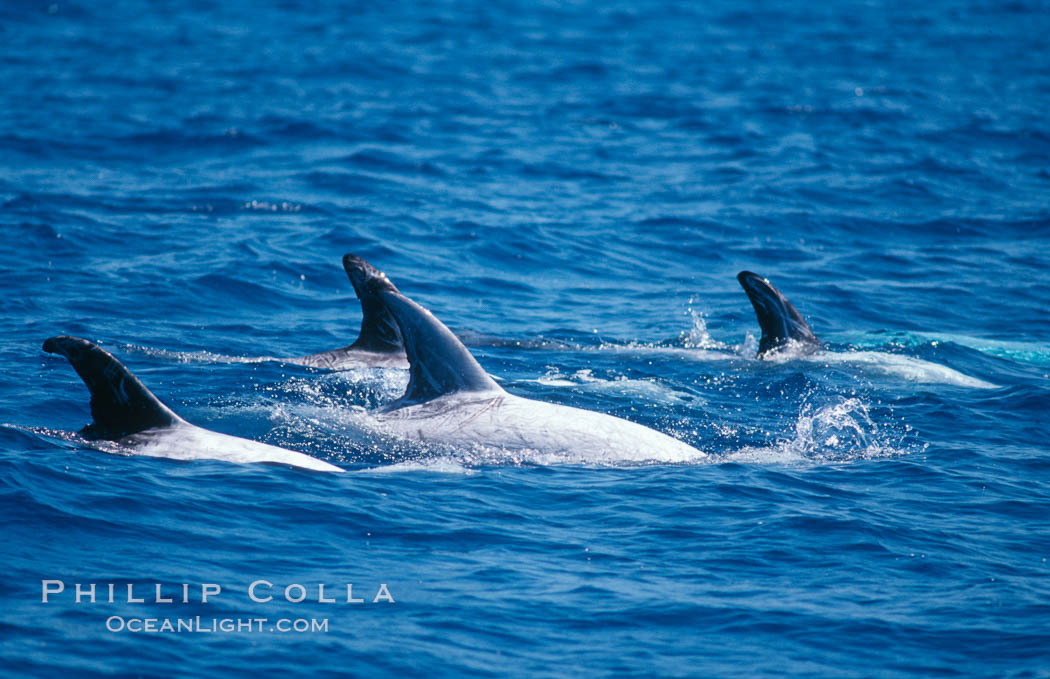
[205,625]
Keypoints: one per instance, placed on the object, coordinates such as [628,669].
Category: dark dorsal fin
[120,404]
[379,330]
[439,364]
[779,319]
[379,334]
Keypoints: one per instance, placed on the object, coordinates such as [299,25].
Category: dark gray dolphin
[379,342]
[781,323]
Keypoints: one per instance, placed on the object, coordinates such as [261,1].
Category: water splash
[749,347]
[843,431]
[697,337]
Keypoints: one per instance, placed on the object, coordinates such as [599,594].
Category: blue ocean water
[572,187]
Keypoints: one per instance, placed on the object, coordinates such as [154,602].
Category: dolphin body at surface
[782,325]
[378,345]
[450,399]
[127,413]
[784,330]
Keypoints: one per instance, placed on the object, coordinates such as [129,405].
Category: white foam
[482,455]
[438,465]
[643,349]
[649,388]
[195,356]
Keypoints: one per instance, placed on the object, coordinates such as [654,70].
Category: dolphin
[377,345]
[126,412]
[782,325]
[783,329]
[450,399]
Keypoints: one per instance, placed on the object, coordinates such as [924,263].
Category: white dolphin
[450,399]
[127,413]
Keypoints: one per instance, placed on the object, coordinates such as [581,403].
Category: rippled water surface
[572,188]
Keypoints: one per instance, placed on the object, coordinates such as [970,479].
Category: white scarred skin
[185,441]
[501,420]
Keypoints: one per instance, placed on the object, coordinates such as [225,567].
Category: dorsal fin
[779,319]
[379,330]
[379,334]
[439,364]
[120,404]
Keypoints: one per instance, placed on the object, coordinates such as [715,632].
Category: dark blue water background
[572,187]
